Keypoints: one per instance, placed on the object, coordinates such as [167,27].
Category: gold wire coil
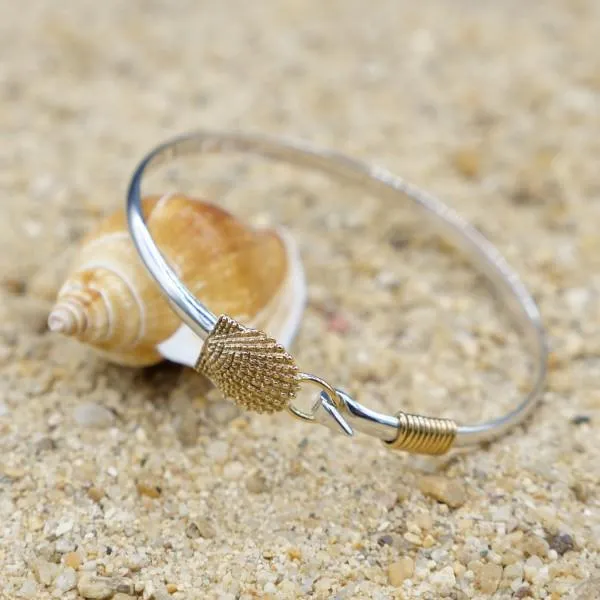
[424,435]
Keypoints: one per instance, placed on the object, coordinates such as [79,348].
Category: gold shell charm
[249,367]
[110,302]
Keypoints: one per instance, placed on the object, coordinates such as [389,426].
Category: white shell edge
[280,319]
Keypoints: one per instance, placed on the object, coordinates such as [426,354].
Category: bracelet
[253,370]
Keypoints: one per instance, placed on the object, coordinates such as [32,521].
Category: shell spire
[62,320]
[110,303]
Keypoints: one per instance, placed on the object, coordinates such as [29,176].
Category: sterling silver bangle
[253,370]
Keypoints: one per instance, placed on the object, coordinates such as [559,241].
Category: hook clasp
[328,403]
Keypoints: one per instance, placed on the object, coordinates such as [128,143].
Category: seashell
[109,301]
[245,363]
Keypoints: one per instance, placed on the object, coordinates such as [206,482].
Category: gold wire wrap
[423,435]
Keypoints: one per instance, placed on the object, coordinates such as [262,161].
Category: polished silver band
[377,181]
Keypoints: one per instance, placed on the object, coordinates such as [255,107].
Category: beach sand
[117,482]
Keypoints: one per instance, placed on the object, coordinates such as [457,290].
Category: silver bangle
[248,379]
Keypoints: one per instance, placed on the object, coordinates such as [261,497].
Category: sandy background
[166,491]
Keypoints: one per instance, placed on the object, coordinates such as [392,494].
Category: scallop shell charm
[249,367]
[110,302]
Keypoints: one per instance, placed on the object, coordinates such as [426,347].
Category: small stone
[523,592]
[385,540]
[160,594]
[532,565]
[172,588]
[217,451]
[136,562]
[66,580]
[73,560]
[63,527]
[14,285]
[94,587]
[147,489]
[289,589]
[64,545]
[502,513]
[124,586]
[459,569]
[444,580]
[192,531]
[324,585]
[388,280]
[424,521]
[562,543]
[535,545]
[294,554]
[514,571]
[233,470]
[256,483]
[186,429]
[548,517]
[581,419]
[44,571]
[581,491]
[93,416]
[337,323]
[121,596]
[271,588]
[95,493]
[388,500]
[148,591]
[28,589]
[488,577]
[467,161]
[402,493]
[401,570]
[45,444]
[90,565]
[473,565]
[412,538]
[200,528]
[448,491]
[12,472]
[222,412]
[542,577]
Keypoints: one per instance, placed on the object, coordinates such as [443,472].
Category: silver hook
[326,403]
[329,400]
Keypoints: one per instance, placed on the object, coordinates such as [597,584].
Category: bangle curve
[408,432]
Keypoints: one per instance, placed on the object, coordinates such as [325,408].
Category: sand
[143,483]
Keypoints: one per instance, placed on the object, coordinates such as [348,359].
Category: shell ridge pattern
[248,366]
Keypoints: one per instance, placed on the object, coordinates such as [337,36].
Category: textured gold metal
[424,435]
[249,367]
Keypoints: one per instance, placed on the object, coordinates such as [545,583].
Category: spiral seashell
[110,302]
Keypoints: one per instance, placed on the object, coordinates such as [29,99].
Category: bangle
[253,370]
